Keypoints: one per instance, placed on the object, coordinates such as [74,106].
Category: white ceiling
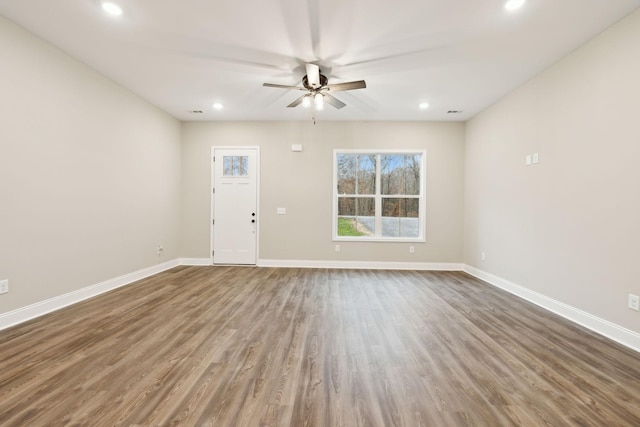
[185,55]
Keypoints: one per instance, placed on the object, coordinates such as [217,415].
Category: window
[235,166]
[379,195]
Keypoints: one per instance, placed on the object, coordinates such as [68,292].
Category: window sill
[380,239]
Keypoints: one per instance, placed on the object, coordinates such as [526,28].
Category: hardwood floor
[233,346]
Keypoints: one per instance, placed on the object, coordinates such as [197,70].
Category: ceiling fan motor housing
[323,82]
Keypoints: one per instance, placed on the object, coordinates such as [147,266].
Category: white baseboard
[195,261]
[603,327]
[368,265]
[38,309]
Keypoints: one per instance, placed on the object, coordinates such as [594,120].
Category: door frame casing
[213,196]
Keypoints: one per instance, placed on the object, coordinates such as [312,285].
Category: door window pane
[235,165]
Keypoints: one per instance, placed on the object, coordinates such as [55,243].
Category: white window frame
[378,198]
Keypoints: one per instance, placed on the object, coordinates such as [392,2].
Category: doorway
[234,225]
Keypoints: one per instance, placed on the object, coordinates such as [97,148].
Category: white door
[235,198]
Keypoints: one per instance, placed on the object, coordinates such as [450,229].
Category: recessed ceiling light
[423,105]
[217,106]
[514,4]
[112,8]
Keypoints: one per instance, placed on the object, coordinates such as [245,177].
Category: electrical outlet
[535,158]
[4,286]
[412,249]
[160,249]
[337,248]
[634,302]
[483,256]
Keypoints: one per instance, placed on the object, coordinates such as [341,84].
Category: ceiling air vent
[454,111]
[196,111]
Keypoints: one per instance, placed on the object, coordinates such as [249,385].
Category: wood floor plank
[237,346]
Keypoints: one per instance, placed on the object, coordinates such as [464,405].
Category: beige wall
[89,174]
[569,227]
[302,183]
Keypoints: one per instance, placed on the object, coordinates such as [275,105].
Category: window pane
[356,173]
[346,173]
[400,207]
[366,174]
[243,166]
[356,216]
[412,174]
[227,164]
[235,165]
[400,174]
[400,217]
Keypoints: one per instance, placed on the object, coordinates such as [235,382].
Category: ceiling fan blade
[333,101]
[337,87]
[313,75]
[283,86]
[297,101]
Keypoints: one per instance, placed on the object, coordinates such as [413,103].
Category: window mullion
[378,200]
[356,173]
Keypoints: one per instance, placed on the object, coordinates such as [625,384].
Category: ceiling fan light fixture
[514,4]
[317,89]
[111,8]
[217,106]
[423,105]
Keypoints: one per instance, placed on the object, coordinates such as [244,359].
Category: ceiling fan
[318,90]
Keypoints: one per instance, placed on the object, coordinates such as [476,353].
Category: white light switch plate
[281,211]
[4,286]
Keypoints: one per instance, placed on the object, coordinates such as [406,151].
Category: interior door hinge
[214,191]
[213,221]
[212,253]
